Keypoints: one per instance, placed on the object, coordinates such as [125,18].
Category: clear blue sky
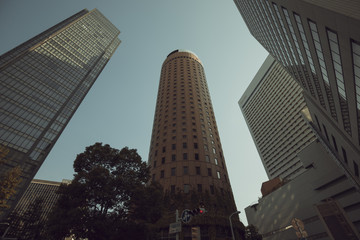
[119,109]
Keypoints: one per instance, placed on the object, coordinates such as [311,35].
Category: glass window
[335,54]
[197,170]
[199,187]
[173,171]
[209,172]
[186,170]
[186,188]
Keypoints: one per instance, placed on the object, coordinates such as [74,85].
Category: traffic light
[199,211]
[202,209]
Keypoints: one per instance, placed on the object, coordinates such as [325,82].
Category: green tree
[252,233]
[107,198]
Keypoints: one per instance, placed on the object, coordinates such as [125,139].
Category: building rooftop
[182,50]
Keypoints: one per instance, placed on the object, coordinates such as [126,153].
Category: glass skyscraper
[42,83]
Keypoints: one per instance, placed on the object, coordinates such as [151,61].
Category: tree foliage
[252,233]
[8,181]
[108,197]
[28,225]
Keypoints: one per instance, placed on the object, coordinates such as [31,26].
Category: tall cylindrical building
[186,157]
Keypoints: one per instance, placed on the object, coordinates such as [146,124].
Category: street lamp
[232,231]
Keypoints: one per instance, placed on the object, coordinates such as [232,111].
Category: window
[335,54]
[153,177]
[218,174]
[212,190]
[173,171]
[184,145]
[319,51]
[318,123]
[216,161]
[214,150]
[154,164]
[199,187]
[173,146]
[195,145]
[197,170]
[172,189]
[344,154]
[185,156]
[186,188]
[163,160]
[334,142]
[326,134]
[163,149]
[173,157]
[162,174]
[186,170]
[209,172]
[356,67]
[207,158]
[196,156]
[356,169]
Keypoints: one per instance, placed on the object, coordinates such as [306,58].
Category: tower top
[182,50]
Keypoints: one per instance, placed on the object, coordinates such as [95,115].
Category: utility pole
[177,220]
[232,231]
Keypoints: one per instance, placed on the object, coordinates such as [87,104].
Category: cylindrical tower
[186,156]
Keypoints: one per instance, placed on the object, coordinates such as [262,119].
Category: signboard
[175,227]
[297,224]
[186,216]
[299,227]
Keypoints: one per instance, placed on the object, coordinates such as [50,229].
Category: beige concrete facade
[271,106]
[186,156]
[298,198]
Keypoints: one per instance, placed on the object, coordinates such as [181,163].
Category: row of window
[187,187]
[185,157]
[323,130]
[185,171]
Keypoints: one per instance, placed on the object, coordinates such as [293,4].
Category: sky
[119,109]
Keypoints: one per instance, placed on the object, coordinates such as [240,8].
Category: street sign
[299,227]
[297,224]
[302,235]
[175,227]
[186,216]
